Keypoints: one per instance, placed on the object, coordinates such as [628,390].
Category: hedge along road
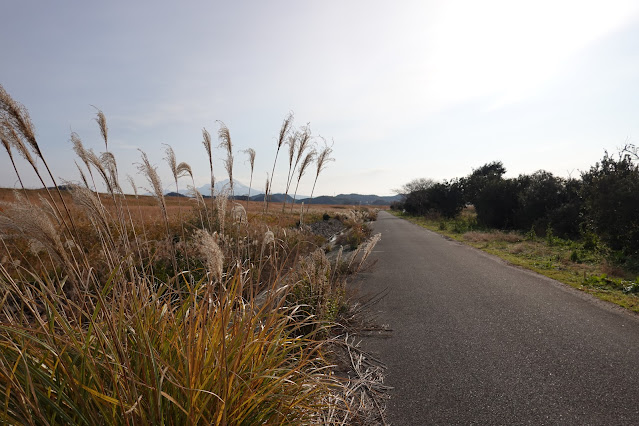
[475,340]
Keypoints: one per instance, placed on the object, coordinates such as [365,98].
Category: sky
[402,90]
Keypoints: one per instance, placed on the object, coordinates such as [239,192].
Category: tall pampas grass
[15,118]
[251,154]
[224,136]
[284,130]
[306,162]
[96,328]
[206,141]
[321,162]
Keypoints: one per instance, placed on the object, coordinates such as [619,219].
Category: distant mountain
[275,198]
[241,191]
[174,194]
[238,188]
[354,199]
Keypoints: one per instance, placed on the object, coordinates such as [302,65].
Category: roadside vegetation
[581,231]
[130,309]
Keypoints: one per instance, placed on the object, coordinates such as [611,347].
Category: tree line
[602,203]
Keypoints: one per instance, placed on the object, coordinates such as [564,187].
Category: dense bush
[602,206]
[445,199]
[473,184]
[611,196]
[497,203]
[549,201]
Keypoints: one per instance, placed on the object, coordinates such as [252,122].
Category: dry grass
[492,236]
[157,310]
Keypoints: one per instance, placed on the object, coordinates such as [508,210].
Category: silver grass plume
[36,224]
[210,250]
[305,163]
[184,169]
[207,145]
[133,186]
[225,142]
[195,193]
[79,150]
[110,165]
[171,160]
[151,175]
[82,175]
[238,213]
[102,124]
[96,162]
[251,154]
[221,199]
[17,116]
[304,142]
[286,125]
[89,202]
[9,136]
[322,160]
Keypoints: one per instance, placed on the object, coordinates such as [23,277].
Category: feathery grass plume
[18,118]
[171,160]
[304,142]
[15,116]
[134,187]
[365,249]
[80,151]
[292,142]
[211,252]
[267,187]
[99,218]
[82,175]
[178,170]
[9,135]
[199,199]
[251,154]
[35,223]
[305,163]
[207,145]
[109,164]
[88,158]
[286,125]
[220,200]
[151,174]
[238,213]
[196,194]
[183,169]
[321,161]
[269,238]
[225,142]
[102,124]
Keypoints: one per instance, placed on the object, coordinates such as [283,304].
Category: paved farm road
[476,341]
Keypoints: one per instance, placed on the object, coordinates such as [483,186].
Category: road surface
[477,341]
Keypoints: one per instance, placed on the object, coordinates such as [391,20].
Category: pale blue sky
[406,89]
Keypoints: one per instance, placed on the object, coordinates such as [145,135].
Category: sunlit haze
[403,89]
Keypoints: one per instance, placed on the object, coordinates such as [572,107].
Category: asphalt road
[477,341]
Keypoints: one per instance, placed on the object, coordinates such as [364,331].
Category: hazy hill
[241,191]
